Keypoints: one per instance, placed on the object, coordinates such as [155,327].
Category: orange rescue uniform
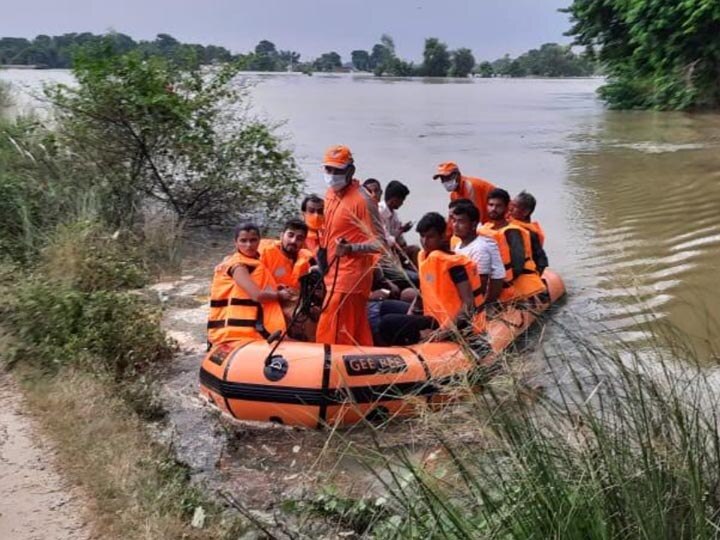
[528,282]
[285,270]
[233,314]
[441,299]
[348,283]
[475,189]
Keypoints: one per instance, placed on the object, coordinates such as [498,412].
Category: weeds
[138,489]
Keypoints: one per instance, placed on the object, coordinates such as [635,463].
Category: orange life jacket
[233,314]
[533,228]
[285,271]
[440,296]
[528,282]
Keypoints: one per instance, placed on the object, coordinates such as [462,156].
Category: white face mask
[335,181]
[450,185]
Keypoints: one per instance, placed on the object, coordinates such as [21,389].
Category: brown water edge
[36,503]
[644,189]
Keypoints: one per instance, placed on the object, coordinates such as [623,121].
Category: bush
[55,325]
[84,256]
[159,133]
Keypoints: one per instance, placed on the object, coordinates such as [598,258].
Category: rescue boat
[315,385]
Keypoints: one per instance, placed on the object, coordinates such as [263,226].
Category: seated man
[286,258]
[288,261]
[521,277]
[373,187]
[482,250]
[395,195]
[244,297]
[521,209]
[313,212]
[450,290]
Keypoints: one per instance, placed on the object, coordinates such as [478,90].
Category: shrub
[85,256]
[170,135]
[56,325]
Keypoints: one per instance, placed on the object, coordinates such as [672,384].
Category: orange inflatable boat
[312,385]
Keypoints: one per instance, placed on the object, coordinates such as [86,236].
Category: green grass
[622,444]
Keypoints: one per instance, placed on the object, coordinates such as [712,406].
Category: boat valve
[276,367]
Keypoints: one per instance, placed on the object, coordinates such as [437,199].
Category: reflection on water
[653,218]
[630,201]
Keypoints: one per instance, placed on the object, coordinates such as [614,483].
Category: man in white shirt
[483,251]
[395,194]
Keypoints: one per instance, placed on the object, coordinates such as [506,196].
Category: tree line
[657,54]
[550,60]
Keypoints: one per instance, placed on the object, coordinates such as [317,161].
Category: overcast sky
[489,27]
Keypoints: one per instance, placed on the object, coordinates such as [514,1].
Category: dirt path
[35,502]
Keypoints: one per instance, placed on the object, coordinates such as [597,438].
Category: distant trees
[462,63]
[550,60]
[436,58]
[662,54]
[328,62]
[57,51]
[360,60]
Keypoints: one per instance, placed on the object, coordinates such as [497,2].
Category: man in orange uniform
[521,279]
[286,258]
[313,209]
[244,298]
[521,209]
[464,187]
[349,251]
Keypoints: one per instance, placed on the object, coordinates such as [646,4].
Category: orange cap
[338,157]
[446,168]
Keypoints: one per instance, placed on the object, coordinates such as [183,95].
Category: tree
[436,58]
[265,57]
[485,70]
[158,132]
[288,59]
[660,54]
[463,63]
[328,62]
[360,60]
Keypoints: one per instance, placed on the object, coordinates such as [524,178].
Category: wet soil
[36,503]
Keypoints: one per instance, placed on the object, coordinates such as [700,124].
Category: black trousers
[397,327]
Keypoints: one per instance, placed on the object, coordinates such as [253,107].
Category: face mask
[450,185]
[335,181]
[315,221]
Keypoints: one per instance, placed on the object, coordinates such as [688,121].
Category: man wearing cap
[464,187]
[352,245]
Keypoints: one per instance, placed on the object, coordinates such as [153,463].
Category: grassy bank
[606,440]
[136,488]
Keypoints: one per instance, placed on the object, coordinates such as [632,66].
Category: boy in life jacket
[481,250]
[450,288]
[288,261]
[521,209]
[521,277]
[244,297]
[312,208]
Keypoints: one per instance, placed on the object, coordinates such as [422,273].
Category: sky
[490,28]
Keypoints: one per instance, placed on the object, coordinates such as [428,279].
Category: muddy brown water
[630,202]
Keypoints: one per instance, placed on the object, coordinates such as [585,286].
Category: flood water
[630,201]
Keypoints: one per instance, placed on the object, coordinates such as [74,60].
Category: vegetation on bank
[91,204]
[614,441]
[658,54]
[550,60]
